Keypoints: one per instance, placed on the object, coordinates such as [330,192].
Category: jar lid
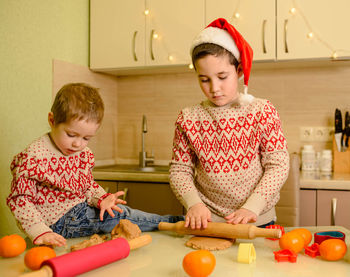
[327,152]
[308,147]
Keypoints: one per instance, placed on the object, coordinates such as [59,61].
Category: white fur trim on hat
[217,36]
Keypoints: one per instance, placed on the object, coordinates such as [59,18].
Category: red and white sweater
[46,185]
[230,157]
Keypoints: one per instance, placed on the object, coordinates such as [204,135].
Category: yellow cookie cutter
[246,253]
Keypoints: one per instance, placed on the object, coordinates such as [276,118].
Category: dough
[94,239]
[208,243]
[126,229]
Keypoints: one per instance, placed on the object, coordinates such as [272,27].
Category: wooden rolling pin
[222,230]
[84,260]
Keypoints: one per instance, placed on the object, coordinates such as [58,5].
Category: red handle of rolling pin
[80,261]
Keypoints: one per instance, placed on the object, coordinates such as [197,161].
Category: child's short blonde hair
[77,101]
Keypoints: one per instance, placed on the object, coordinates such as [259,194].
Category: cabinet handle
[263,36]
[151,45]
[285,36]
[334,210]
[125,193]
[134,46]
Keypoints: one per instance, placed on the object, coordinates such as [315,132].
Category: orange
[199,263]
[292,241]
[12,246]
[37,255]
[305,233]
[332,249]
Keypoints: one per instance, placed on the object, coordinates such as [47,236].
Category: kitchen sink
[133,168]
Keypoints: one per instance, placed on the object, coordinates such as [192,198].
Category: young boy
[53,193]
[230,157]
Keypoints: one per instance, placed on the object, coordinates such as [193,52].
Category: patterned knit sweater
[46,184]
[230,157]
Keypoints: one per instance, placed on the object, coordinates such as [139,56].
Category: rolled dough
[209,243]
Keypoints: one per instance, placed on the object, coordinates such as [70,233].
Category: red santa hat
[222,33]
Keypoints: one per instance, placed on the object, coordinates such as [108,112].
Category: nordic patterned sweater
[46,185]
[230,157]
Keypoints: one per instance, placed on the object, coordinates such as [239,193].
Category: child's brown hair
[205,49]
[77,101]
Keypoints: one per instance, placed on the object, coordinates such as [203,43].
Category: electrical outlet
[323,134]
[306,133]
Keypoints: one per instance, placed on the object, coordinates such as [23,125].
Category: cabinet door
[256,22]
[328,20]
[333,208]
[176,23]
[117,33]
[307,207]
[151,197]
[109,186]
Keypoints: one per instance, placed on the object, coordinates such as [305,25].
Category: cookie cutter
[285,255]
[321,236]
[275,226]
[246,253]
[313,250]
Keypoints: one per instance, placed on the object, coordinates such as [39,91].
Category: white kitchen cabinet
[256,22]
[123,35]
[277,34]
[327,20]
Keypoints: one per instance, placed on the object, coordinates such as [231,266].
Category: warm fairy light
[293,10]
[334,55]
[170,58]
[237,15]
[146,12]
[190,66]
[310,35]
[155,36]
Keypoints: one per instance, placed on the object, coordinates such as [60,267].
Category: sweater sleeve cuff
[38,230]
[255,203]
[191,198]
[101,198]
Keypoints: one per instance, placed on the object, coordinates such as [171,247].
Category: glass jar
[308,158]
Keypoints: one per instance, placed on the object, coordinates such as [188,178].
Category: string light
[334,55]
[146,12]
[310,35]
[170,58]
[293,10]
[190,66]
[156,36]
[237,15]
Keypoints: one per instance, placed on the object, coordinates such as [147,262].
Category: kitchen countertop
[318,180]
[163,257]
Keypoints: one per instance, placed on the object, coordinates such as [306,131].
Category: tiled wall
[304,94]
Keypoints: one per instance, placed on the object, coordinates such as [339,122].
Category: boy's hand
[51,239]
[198,216]
[241,216]
[110,203]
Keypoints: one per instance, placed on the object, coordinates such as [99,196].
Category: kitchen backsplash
[304,95]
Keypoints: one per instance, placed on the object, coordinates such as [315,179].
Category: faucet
[144,160]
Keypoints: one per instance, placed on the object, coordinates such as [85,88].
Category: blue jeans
[84,220]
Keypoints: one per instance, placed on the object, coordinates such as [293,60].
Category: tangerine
[332,249]
[292,241]
[199,263]
[37,255]
[12,246]
[305,233]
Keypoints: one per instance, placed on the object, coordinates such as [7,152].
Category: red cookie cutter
[275,227]
[313,250]
[285,255]
[321,236]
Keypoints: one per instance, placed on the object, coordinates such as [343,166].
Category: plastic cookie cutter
[321,236]
[246,253]
[275,227]
[313,250]
[285,255]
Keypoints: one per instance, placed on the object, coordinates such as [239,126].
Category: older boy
[53,193]
[230,156]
